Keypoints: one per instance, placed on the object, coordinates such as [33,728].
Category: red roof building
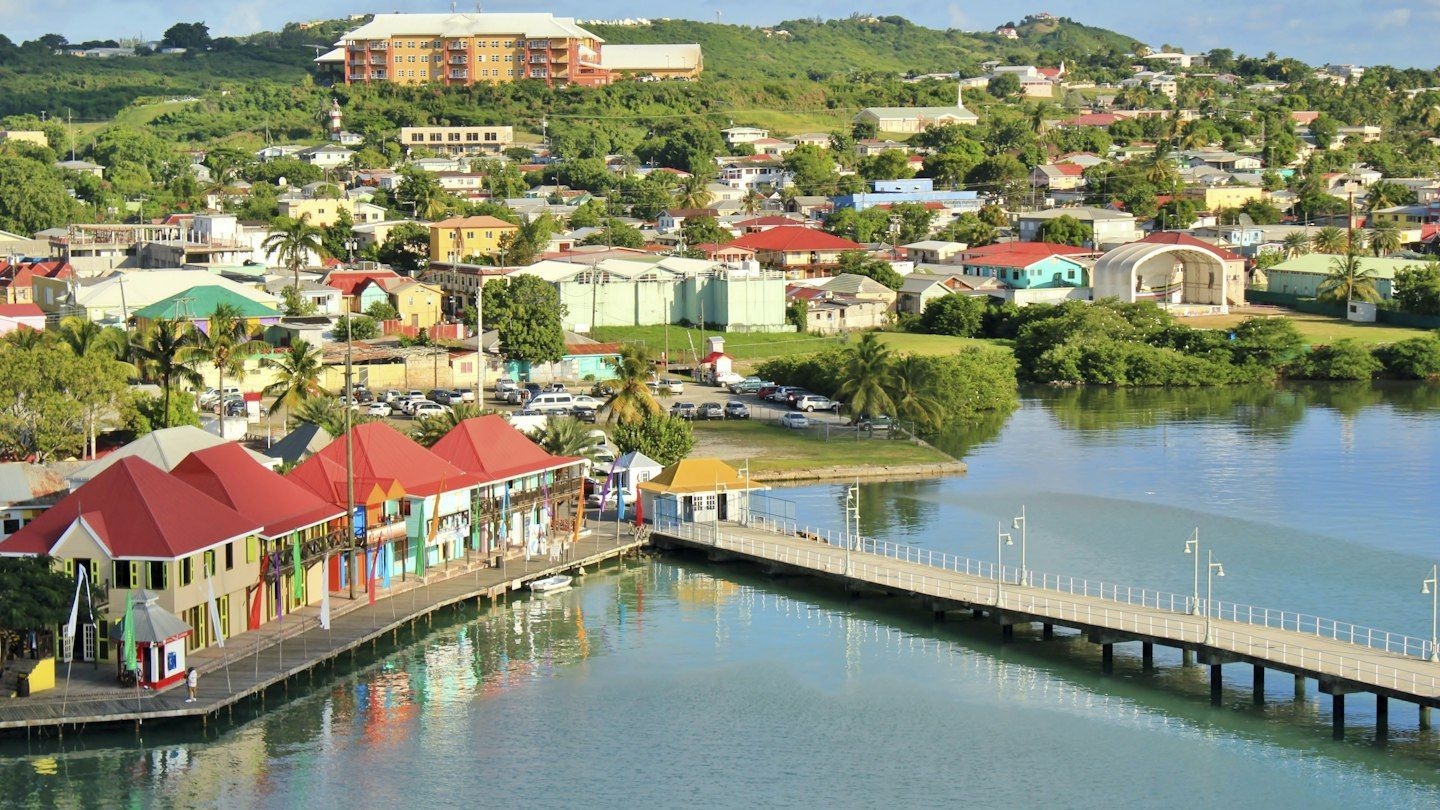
[383,457]
[765,223]
[1017,254]
[348,281]
[17,279]
[492,450]
[794,247]
[1092,120]
[228,474]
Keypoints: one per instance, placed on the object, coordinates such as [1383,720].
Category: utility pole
[349,462]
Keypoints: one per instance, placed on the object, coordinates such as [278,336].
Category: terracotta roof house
[137,526]
[21,316]
[813,253]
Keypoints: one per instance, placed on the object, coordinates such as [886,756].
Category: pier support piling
[1147,656]
[1047,631]
[1007,632]
[1107,658]
[1382,717]
[1257,682]
[1337,716]
[1424,718]
[1299,687]
[1187,658]
[1215,685]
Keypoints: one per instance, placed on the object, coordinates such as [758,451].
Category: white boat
[548,584]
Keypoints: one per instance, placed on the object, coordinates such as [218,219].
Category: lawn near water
[769,447]
[1317,329]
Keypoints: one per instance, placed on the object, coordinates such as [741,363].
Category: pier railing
[1303,623]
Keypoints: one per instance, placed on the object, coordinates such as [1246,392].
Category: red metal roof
[347,281]
[1177,238]
[21,311]
[383,457]
[794,238]
[770,221]
[138,511]
[577,349]
[230,475]
[1092,120]
[491,449]
[1018,254]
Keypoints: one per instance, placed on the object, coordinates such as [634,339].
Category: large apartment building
[466,49]
[457,141]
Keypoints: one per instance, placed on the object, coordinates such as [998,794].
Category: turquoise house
[370,291]
[1024,272]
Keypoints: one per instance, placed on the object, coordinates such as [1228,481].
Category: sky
[1394,32]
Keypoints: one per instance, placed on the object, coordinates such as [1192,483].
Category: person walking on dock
[192,682]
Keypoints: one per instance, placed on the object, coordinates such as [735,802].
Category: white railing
[1306,624]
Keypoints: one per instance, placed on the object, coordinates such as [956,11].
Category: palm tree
[909,390]
[328,413]
[226,345]
[568,436]
[867,374]
[165,351]
[750,203]
[1297,243]
[85,337]
[297,376]
[431,429]
[292,241]
[1329,239]
[691,192]
[1385,238]
[1348,279]
[1387,194]
[25,338]
[632,401]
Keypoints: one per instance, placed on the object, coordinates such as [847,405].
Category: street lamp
[352,244]
[1213,569]
[1431,587]
[852,510]
[1020,523]
[1002,539]
[1192,547]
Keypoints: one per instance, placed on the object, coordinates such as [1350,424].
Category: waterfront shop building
[697,490]
[527,502]
[135,526]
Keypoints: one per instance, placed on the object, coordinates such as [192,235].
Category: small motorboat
[559,582]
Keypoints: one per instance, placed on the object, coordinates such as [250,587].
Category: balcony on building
[459,74]
[458,60]
[456,45]
[379,45]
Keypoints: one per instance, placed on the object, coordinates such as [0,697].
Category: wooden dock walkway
[1342,658]
[253,662]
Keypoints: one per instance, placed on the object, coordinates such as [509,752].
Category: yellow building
[30,136]
[456,239]
[1225,196]
[322,213]
[466,49]
[419,304]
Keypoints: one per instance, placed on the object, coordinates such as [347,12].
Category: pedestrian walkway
[250,663]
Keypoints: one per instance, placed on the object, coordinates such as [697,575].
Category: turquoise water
[672,682]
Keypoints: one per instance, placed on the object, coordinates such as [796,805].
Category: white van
[552,402]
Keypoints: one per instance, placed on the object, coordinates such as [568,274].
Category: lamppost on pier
[1213,569]
[1002,539]
[1431,587]
[1192,547]
[1020,523]
[852,511]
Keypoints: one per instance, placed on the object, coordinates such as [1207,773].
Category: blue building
[915,190]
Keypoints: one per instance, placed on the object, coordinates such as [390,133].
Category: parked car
[440,395]
[381,409]
[674,386]
[557,388]
[391,396]
[527,421]
[425,408]
[794,420]
[795,394]
[503,386]
[235,407]
[764,391]
[584,413]
[749,385]
[462,395]
[411,397]
[815,402]
[683,410]
[735,409]
[363,395]
[710,410]
[212,396]
[552,402]
[879,422]
[517,396]
[535,389]
[782,394]
[588,401]
[728,378]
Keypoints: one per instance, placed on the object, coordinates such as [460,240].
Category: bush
[1343,360]
[1413,359]
[955,315]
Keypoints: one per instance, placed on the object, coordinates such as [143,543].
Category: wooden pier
[271,656]
[1342,658]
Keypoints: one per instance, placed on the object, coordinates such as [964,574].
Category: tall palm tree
[867,374]
[328,413]
[297,376]
[692,192]
[1387,194]
[750,203]
[1297,243]
[292,241]
[226,345]
[1348,280]
[910,391]
[85,337]
[632,401]
[165,351]
[1329,239]
[431,429]
[1385,238]
[568,436]
[24,338]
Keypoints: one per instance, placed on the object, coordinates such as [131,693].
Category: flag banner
[639,510]
[214,612]
[297,577]
[127,637]
[545,492]
[374,563]
[80,577]
[504,511]
[325,606]
[620,503]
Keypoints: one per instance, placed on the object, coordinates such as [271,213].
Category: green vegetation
[663,438]
[1317,329]
[785,450]
[34,595]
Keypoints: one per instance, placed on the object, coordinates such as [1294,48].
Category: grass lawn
[1316,328]
[911,343]
[741,346]
[771,447]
